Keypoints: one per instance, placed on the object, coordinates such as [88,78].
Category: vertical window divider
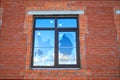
[56,44]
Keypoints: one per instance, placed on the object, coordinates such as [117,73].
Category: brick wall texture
[99,39]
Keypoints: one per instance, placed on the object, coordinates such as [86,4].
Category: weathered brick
[99,39]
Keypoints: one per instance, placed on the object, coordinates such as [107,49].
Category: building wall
[99,39]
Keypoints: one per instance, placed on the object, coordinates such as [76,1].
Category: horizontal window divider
[55,29]
[44,28]
[62,29]
[67,47]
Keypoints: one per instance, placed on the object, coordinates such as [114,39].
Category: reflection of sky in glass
[68,59]
[44,38]
[44,59]
[67,48]
[45,23]
[70,35]
[44,48]
[67,23]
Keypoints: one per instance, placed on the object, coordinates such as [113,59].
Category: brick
[99,39]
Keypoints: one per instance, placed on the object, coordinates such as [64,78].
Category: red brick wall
[99,40]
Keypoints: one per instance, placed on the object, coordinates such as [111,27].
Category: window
[55,42]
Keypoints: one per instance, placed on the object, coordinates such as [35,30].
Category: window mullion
[56,43]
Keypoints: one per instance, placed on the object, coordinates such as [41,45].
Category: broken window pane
[44,48]
[67,48]
[44,38]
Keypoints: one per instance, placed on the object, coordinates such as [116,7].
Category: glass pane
[67,23]
[67,39]
[44,38]
[67,47]
[43,57]
[45,23]
[67,58]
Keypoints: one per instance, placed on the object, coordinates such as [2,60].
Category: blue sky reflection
[67,48]
[46,23]
[67,23]
[44,48]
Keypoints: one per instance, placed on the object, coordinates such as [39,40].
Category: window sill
[55,68]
